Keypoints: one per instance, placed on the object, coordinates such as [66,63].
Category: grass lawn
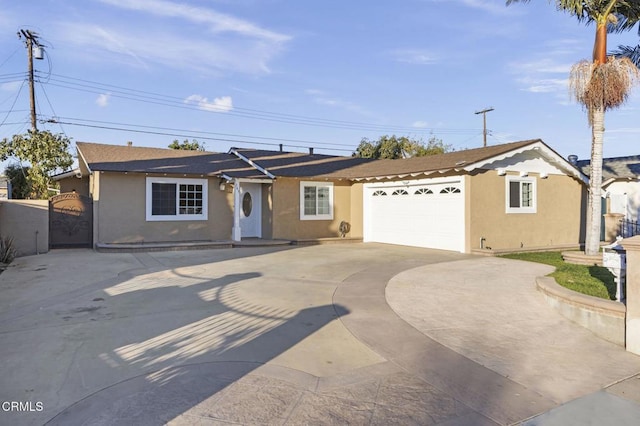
[591,280]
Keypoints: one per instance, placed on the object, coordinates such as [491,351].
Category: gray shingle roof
[132,159]
[119,158]
[295,164]
[615,167]
[432,163]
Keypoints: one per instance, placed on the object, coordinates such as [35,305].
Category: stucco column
[612,226]
[236,234]
[632,246]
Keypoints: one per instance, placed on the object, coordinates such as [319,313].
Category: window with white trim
[176,199]
[316,201]
[520,195]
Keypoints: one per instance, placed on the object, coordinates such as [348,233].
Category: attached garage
[426,213]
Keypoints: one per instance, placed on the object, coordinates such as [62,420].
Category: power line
[166,100]
[198,132]
[13,104]
[183,135]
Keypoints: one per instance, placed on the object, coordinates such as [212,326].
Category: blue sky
[256,73]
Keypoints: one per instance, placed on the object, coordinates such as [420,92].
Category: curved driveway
[288,336]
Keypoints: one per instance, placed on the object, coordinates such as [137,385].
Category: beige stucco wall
[119,213]
[558,220]
[286,211]
[357,211]
[267,205]
[27,221]
[71,184]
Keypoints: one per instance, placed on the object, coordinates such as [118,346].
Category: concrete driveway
[289,336]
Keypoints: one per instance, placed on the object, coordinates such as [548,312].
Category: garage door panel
[420,218]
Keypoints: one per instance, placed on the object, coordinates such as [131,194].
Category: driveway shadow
[169,364]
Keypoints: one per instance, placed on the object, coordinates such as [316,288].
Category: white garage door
[423,213]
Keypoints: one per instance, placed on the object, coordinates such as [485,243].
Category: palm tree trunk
[594,209]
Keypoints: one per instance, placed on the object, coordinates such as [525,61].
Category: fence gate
[70,221]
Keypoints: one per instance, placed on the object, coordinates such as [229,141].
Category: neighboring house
[511,196]
[5,188]
[620,184]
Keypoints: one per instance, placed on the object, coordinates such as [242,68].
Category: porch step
[579,258]
[188,245]
[332,240]
[162,246]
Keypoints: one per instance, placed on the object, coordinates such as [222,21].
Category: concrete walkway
[293,336]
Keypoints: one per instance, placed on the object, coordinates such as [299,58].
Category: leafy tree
[44,151]
[17,175]
[600,84]
[393,147]
[194,145]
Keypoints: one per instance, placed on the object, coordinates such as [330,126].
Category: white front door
[250,209]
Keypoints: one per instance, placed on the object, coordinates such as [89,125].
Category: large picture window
[316,200]
[176,199]
[521,195]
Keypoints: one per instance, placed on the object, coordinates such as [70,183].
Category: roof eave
[544,149]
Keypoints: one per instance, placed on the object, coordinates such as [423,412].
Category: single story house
[510,196]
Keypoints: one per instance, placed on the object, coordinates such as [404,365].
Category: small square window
[316,201]
[521,195]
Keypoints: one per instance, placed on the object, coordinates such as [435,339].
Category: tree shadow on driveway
[155,346]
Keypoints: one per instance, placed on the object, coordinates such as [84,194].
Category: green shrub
[8,251]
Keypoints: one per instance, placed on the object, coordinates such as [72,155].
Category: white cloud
[11,86]
[545,66]
[545,85]
[490,6]
[420,124]
[217,22]
[222,104]
[322,98]
[174,35]
[140,48]
[414,56]
[103,99]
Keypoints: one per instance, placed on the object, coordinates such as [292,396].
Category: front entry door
[251,209]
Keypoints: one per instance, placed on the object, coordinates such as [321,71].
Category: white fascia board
[253,164]
[250,180]
[544,150]
[83,160]
[64,175]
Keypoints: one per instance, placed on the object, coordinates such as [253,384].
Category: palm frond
[603,85]
[633,53]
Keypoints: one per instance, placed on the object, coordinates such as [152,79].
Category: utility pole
[31,41]
[484,120]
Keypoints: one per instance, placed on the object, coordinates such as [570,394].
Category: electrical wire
[9,57]
[196,133]
[13,104]
[51,106]
[182,135]
[165,100]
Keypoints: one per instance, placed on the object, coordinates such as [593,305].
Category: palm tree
[631,52]
[599,85]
